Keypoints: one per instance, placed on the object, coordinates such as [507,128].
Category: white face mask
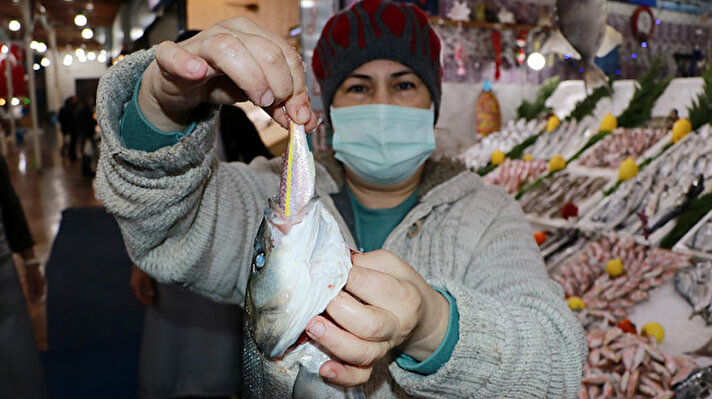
[381,143]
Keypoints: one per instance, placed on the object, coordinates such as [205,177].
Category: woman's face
[382,82]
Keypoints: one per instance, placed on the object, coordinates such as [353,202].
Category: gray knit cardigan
[188,218]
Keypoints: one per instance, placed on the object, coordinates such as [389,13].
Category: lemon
[576,303]
[653,330]
[552,123]
[557,162]
[497,157]
[627,170]
[608,123]
[614,268]
[528,157]
[680,129]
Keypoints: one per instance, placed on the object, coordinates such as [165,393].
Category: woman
[457,292]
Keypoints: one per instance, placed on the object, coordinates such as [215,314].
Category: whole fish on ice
[583,34]
[300,262]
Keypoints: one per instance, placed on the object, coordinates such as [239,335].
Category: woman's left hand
[385,304]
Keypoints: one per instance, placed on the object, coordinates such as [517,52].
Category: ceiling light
[87,33]
[45,62]
[68,59]
[80,19]
[102,52]
[82,58]
[101,58]
[3,49]
[2,102]
[15,101]
[91,56]
[14,25]
[536,61]
[41,47]
[33,45]
[35,67]
[79,52]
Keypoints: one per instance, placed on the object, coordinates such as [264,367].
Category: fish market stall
[644,205]
[564,196]
[698,241]
[511,134]
[566,140]
[622,144]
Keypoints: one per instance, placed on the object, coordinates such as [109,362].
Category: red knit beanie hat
[377,29]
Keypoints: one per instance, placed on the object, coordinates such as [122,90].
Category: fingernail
[193,65]
[303,115]
[267,98]
[330,374]
[315,329]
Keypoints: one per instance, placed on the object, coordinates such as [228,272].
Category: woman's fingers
[176,62]
[344,374]
[364,321]
[229,55]
[344,345]
[297,102]
[383,290]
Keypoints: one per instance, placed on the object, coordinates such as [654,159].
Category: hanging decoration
[497,48]
[521,44]
[487,112]
[643,23]
[460,12]
[19,86]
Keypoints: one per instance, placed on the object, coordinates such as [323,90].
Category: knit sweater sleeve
[518,339]
[185,217]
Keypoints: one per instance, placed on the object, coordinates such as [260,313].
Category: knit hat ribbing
[377,29]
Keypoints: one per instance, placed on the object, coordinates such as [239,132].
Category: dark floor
[44,193]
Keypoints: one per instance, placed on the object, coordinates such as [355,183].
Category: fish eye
[259,260]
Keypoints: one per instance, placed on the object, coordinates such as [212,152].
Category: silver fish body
[300,262]
[694,283]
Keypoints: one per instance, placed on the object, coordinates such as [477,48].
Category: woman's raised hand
[233,60]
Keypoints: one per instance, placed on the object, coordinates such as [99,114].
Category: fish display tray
[584,206]
[672,158]
[682,246]
[612,172]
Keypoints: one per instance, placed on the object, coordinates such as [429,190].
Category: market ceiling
[101,14]
[60,15]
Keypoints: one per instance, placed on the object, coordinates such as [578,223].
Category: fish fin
[593,77]
[704,350]
[310,385]
[611,39]
[557,43]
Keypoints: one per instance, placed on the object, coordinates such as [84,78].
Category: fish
[702,239]
[695,385]
[694,283]
[583,34]
[300,262]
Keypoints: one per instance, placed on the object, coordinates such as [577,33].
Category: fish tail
[296,185]
[593,77]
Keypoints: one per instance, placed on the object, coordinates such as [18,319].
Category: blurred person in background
[21,374]
[68,125]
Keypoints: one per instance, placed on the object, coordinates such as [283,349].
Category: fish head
[299,264]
